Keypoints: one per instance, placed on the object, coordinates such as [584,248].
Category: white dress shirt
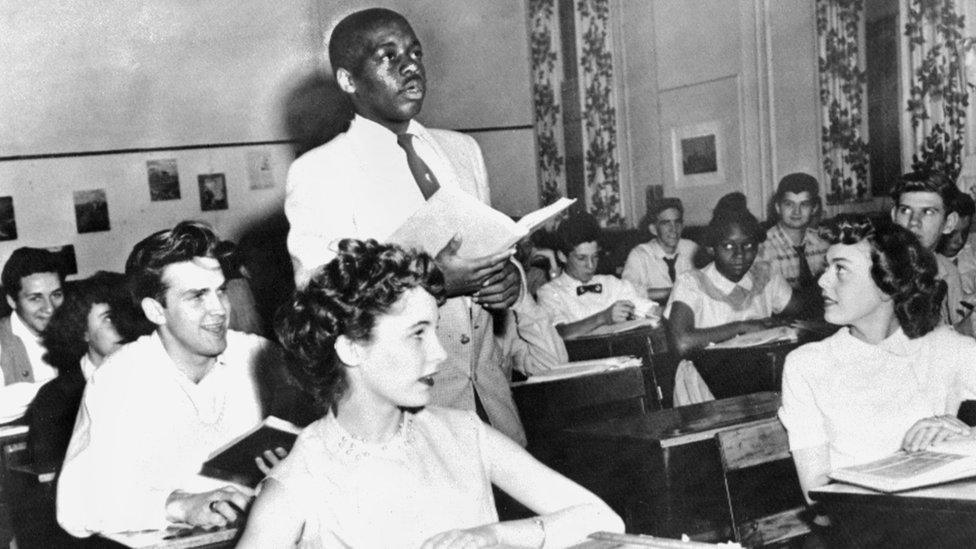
[144,429]
[530,342]
[379,196]
[560,299]
[860,399]
[645,267]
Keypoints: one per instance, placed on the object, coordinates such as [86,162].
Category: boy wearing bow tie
[579,300]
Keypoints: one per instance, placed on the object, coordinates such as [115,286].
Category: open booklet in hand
[951,460]
[234,461]
[483,230]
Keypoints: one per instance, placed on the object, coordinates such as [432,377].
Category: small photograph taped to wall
[259,170]
[164,180]
[213,191]
[8,223]
[65,257]
[91,211]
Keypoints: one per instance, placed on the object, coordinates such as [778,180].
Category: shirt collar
[723,284]
[897,344]
[780,234]
[219,362]
[657,250]
[372,131]
[21,330]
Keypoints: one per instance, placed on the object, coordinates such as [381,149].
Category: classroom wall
[94,91]
[743,69]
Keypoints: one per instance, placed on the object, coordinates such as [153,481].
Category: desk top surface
[686,424]
[958,493]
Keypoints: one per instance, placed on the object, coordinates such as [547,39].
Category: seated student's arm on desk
[568,512]
[109,482]
[619,311]
[537,347]
[687,338]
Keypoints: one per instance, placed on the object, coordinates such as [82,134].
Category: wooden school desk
[941,516]
[733,372]
[661,471]
[648,343]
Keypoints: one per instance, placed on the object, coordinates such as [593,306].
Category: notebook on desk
[581,368]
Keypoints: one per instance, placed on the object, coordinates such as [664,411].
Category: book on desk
[944,462]
[580,368]
[173,537]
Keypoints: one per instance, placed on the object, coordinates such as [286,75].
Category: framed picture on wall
[213,191]
[8,224]
[91,211]
[164,180]
[698,155]
[259,173]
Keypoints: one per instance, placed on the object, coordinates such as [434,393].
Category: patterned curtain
[843,147]
[938,92]
[594,46]
[547,70]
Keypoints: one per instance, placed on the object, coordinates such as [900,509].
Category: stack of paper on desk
[950,460]
[763,337]
[585,367]
[483,230]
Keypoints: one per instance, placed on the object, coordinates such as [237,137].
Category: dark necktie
[422,173]
[595,288]
[806,275]
[671,261]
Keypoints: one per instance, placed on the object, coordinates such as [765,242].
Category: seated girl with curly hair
[892,377]
[381,468]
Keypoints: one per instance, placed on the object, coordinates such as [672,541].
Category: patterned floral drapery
[938,92]
[544,45]
[843,148]
[601,159]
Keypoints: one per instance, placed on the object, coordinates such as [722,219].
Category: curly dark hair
[900,266]
[575,230]
[344,298]
[731,211]
[64,337]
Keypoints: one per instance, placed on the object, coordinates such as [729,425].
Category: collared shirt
[530,342]
[645,267]
[965,261]
[144,429]
[321,212]
[779,253]
[87,367]
[560,299]
[952,311]
[43,372]
[860,399]
[705,291]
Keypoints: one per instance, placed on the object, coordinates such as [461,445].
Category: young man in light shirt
[653,266]
[157,407]
[579,300]
[32,282]
[924,205]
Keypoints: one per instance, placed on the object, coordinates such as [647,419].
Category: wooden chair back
[751,456]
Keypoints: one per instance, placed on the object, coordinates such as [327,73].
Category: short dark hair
[148,259]
[927,182]
[731,211]
[900,266]
[576,230]
[24,262]
[659,206]
[348,47]
[964,205]
[797,183]
[344,298]
[64,337]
